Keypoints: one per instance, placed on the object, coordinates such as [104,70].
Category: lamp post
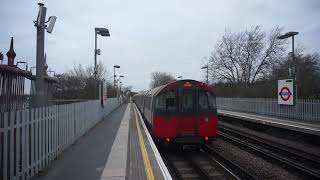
[50,71]
[119,89]
[22,62]
[285,36]
[114,75]
[206,67]
[101,32]
[1,57]
[121,76]
[179,77]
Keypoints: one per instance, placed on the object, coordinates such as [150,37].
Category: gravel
[251,162]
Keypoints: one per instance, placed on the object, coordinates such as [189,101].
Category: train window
[187,100]
[206,100]
[203,100]
[166,100]
[212,100]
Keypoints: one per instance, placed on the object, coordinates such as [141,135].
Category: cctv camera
[98,51]
[51,23]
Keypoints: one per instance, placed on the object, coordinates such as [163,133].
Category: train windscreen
[187,100]
[166,101]
[206,100]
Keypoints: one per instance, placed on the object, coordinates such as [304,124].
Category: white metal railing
[31,138]
[305,109]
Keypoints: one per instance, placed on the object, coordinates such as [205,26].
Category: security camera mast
[40,24]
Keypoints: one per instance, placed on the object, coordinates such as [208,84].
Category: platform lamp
[114,75]
[206,67]
[101,32]
[50,71]
[22,62]
[285,36]
[1,57]
[121,76]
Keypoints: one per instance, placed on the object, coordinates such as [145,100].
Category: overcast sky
[147,36]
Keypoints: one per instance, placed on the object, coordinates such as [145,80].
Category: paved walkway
[85,160]
[133,154]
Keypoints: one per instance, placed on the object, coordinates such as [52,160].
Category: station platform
[134,154]
[119,147]
[305,127]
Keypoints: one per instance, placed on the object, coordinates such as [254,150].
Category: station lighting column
[101,32]
[206,67]
[285,36]
[114,75]
[120,83]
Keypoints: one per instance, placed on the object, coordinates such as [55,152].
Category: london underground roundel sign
[285,92]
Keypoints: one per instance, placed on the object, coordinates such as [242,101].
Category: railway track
[296,161]
[183,168]
[202,164]
[228,164]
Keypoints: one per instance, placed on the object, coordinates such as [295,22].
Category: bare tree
[79,82]
[246,56]
[160,78]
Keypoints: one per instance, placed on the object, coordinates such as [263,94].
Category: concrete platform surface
[115,167]
[134,154]
[305,127]
[119,147]
[85,160]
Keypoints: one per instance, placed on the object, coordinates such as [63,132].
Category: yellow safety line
[146,162]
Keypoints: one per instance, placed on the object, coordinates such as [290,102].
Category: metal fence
[30,139]
[305,109]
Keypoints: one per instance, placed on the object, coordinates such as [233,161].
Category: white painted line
[115,167]
[159,159]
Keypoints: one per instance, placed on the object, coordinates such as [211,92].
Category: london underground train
[182,112]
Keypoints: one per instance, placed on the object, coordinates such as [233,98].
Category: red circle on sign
[285,93]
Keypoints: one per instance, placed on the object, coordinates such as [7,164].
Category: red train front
[181,112]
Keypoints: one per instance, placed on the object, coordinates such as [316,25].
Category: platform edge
[163,167]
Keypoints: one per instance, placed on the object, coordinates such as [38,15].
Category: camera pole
[40,70]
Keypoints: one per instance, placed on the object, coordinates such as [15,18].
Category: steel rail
[172,167]
[202,173]
[305,156]
[235,170]
[272,156]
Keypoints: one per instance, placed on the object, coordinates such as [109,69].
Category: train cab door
[187,118]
